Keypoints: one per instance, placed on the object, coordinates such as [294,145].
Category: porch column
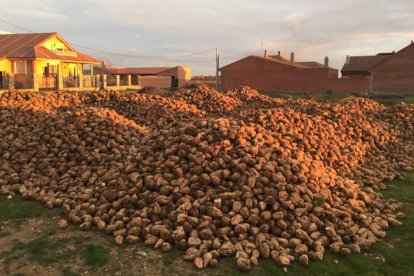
[104,81]
[97,82]
[117,80]
[10,79]
[129,80]
[35,83]
[59,85]
[80,84]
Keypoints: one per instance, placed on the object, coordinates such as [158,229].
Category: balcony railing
[22,81]
[70,82]
[65,53]
[89,81]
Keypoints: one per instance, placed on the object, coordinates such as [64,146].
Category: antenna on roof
[261,46]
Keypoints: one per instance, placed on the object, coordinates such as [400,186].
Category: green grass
[333,97]
[393,101]
[316,95]
[95,255]
[48,250]
[67,272]
[15,209]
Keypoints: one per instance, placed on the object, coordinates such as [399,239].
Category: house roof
[137,70]
[21,45]
[363,64]
[282,60]
[43,52]
[268,59]
[285,61]
[312,64]
[279,57]
[29,46]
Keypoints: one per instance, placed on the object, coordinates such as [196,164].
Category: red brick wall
[154,81]
[266,75]
[350,85]
[396,74]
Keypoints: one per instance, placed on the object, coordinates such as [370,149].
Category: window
[87,69]
[50,69]
[53,69]
[20,67]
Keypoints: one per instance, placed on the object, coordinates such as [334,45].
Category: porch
[57,82]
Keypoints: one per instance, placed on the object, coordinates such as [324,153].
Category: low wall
[154,81]
[351,85]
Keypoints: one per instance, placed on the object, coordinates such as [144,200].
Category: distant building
[45,61]
[33,60]
[153,76]
[386,73]
[277,73]
[361,66]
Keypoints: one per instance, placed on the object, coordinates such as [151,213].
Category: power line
[149,57]
[114,53]
[19,27]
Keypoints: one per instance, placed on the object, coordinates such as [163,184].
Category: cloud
[27,10]
[41,15]
[311,28]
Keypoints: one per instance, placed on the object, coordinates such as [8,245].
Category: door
[2,80]
[49,78]
[174,82]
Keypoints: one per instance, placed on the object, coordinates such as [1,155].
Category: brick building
[395,75]
[384,73]
[277,73]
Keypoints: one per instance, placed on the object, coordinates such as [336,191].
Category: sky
[169,30]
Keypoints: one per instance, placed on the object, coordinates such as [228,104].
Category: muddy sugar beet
[214,174]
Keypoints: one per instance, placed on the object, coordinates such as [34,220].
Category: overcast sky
[312,29]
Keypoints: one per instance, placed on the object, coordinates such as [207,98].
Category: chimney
[265,53]
[292,57]
[348,59]
[279,53]
[326,62]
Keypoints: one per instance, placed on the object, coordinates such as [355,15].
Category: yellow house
[30,61]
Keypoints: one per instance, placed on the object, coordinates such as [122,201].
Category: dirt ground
[36,246]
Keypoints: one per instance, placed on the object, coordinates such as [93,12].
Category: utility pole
[217,67]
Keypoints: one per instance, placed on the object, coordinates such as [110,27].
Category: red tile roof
[363,64]
[43,52]
[21,45]
[283,60]
[280,57]
[29,46]
[312,64]
[307,64]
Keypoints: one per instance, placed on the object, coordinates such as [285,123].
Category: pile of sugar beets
[216,174]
